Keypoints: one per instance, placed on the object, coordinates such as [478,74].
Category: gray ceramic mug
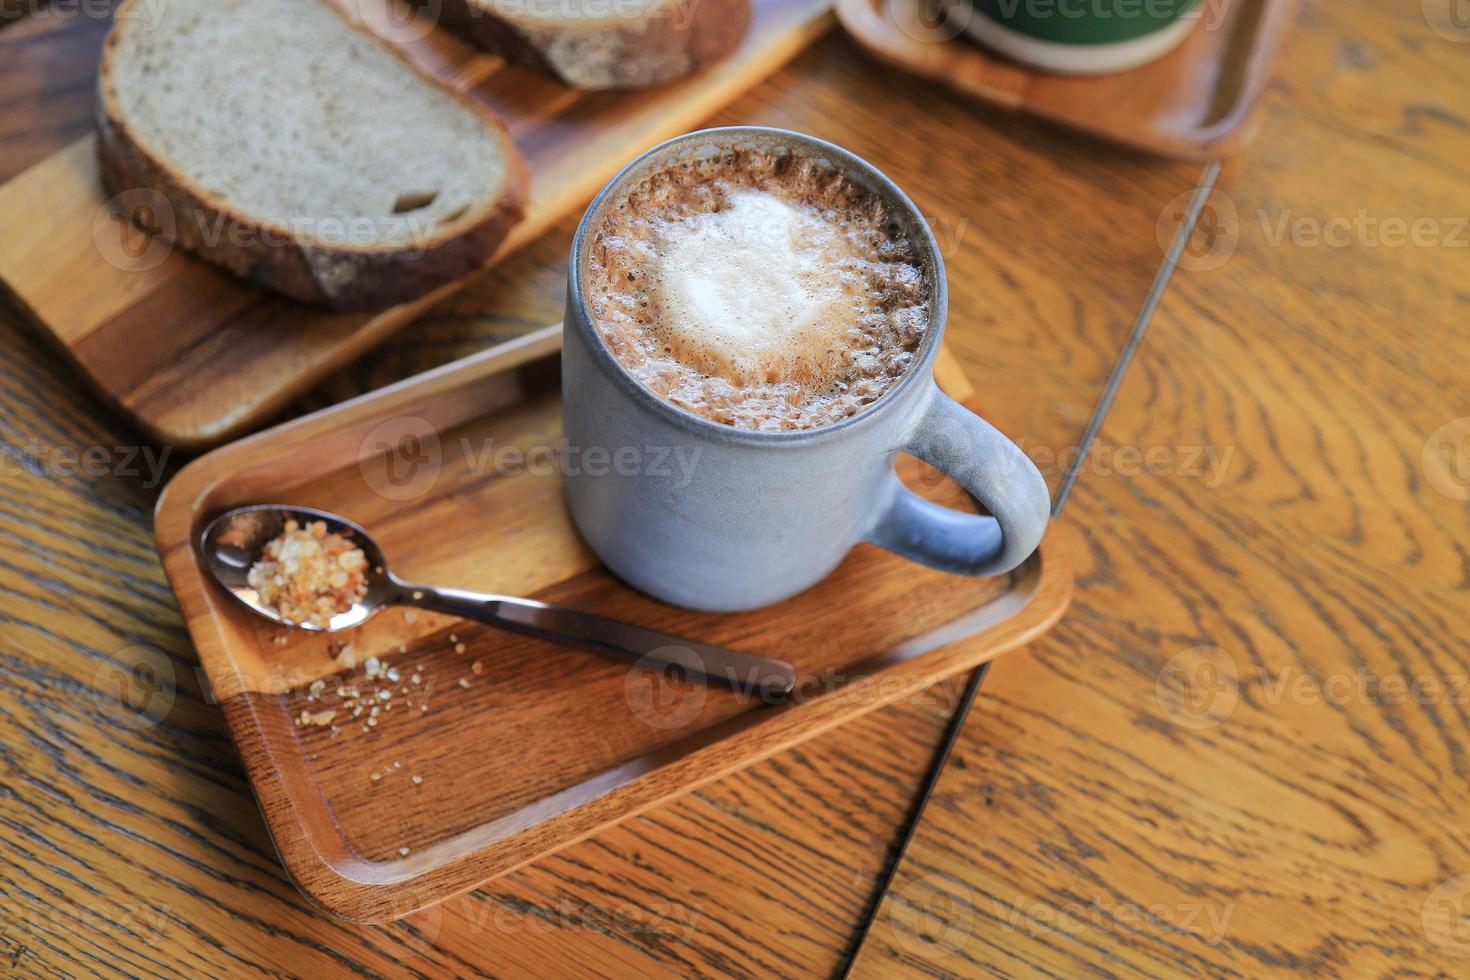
[713,517]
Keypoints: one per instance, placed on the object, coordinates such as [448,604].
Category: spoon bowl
[232,543]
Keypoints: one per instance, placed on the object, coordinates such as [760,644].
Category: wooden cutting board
[195,357]
[521,746]
[1199,102]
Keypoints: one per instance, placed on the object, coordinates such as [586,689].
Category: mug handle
[993,470]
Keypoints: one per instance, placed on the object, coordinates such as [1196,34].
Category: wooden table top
[1208,766]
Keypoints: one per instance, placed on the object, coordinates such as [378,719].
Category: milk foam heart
[758,290]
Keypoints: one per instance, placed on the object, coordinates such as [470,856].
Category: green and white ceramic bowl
[1082,37]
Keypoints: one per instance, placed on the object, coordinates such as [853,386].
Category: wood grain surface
[1243,752]
[1199,102]
[1098,826]
[132,843]
[193,355]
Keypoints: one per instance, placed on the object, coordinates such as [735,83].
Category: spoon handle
[747,672]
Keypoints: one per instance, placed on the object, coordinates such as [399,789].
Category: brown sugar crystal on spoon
[309,574]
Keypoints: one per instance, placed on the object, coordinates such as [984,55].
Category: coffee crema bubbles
[757,289]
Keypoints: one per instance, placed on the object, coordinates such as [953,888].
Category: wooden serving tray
[1199,102]
[194,356]
[545,744]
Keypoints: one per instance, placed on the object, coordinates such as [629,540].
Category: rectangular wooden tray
[541,745]
[1199,102]
[194,357]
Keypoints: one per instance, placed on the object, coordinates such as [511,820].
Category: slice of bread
[301,152]
[600,44]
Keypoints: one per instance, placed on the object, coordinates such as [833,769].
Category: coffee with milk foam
[757,289]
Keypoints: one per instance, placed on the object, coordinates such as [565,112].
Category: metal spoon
[233,541]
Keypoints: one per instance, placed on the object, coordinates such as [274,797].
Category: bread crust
[676,38]
[339,276]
